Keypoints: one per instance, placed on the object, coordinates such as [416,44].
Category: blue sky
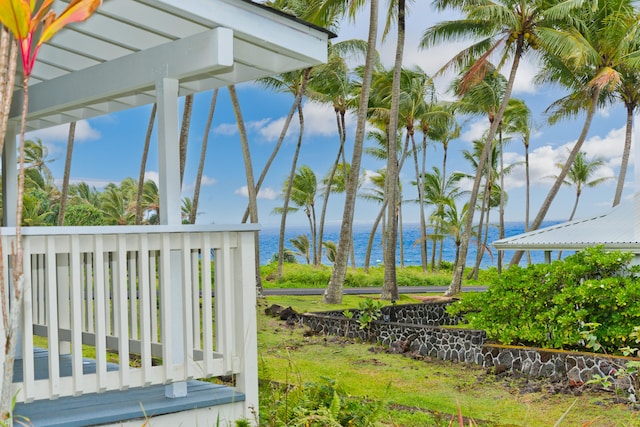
[109,148]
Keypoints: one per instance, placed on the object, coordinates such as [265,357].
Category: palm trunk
[203,153]
[332,173]
[563,173]
[376,222]
[143,164]
[184,133]
[285,127]
[456,281]
[625,154]
[333,293]
[483,210]
[390,285]
[501,230]
[67,171]
[251,188]
[423,221]
[287,197]
[528,192]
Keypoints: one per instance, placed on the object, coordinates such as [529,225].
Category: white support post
[246,342]
[9,176]
[169,180]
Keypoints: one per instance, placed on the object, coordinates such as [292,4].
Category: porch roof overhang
[618,229]
[113,61]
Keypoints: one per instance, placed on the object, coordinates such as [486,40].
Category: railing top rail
[131,229]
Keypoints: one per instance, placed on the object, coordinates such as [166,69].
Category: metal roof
[617,229]
[113,60]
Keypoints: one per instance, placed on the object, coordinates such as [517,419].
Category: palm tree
[36,156]
[303,194]
[390,285]
[251,188]
[332,83]
[416,102]
[375,193]
[203,153]
[143,163]
[517,121]
[301,246]
[296,83]
[151,202]
[67,172]
[330,9]
[517,25]
[82,193]
[608,42]
[628,93]
[184,133]
[453,222]
[115,206]
[580,176]
[439,192]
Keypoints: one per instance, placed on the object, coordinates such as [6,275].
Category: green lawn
[418,392]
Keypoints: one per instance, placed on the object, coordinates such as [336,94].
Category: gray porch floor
[41,366]
[113,406]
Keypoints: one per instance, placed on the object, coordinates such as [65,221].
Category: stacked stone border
[424,329]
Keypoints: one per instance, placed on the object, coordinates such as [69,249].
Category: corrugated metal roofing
[616,229]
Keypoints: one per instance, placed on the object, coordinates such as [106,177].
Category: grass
[418,392]
[305,276]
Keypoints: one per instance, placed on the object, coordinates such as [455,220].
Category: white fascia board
[186,58]
[249,22]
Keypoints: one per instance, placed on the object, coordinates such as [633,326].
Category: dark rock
[274,310]
[500,369]
[288,313]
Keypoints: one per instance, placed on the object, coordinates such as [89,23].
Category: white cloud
[226,129]
[84,132]
[475,131]
[206,181]
[99,184]
[267,193]
[153,176]
[543,160]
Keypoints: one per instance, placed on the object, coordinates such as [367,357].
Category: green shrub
[315,405]
[549,305]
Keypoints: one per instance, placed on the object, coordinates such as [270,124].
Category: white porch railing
[143,291]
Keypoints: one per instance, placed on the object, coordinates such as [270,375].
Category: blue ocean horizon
[411,250]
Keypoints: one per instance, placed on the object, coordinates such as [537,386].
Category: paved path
[368,291]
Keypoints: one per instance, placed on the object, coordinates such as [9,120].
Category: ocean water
[411,233]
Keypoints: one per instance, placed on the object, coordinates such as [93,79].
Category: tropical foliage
[549,304]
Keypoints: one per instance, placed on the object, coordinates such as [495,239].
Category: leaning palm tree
[608,38]
[515,26]
[329,9]
[203,154]
[333,83]
[252,191]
